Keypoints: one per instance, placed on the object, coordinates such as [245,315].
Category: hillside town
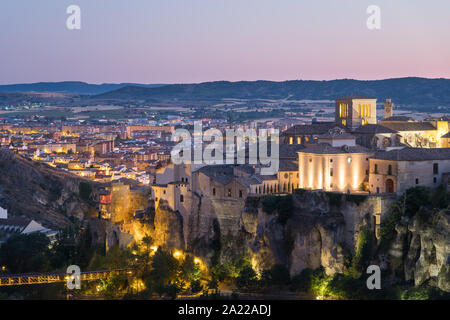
[355,154]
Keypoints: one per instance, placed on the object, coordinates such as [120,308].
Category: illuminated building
[355,111]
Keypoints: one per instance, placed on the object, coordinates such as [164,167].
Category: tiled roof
[325,148]
[373,129]
[310,129]
[290,150]
[220,173]
[16,222]
[409,126]
[288,165]
[397,118]
[414,154]
[354,96]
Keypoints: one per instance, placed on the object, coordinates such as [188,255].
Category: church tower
[388,108]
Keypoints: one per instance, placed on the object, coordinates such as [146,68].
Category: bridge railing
[28,279]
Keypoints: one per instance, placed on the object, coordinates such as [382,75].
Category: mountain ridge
[410,90]
[72,87]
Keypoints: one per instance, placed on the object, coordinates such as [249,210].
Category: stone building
[341,169]
[397,170]
[355,111]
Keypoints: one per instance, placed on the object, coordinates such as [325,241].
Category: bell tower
[388,108]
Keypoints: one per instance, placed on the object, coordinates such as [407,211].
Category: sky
[190,41]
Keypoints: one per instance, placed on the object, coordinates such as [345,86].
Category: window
[375,170]
[435,168]
[343,110]
[299,140]
[214,191]
[434,180]
[291,140]
[156,198]
[331,160]
[331,172]
[181,198]
[417,181]
[229,193]
[390,170]
[240,193]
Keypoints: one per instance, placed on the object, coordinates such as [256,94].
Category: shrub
[302,281]
[85,190]
[335,199]
[270,204]
[196,286]
[277,275]
[247,279]
[363,249]
[283,205]
[355,198]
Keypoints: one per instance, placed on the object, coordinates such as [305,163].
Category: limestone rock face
[425,249]
[168,227]
[317,233]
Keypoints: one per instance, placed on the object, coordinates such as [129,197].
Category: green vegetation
[335,199]
[355,198]
[423,203]
[363,253]
[281,204]
[85,190]
[22,253]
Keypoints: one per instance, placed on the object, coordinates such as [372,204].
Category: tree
[23,253]
[247,279]
[189,270]
[85,190]
[277,275]
[164,267]
[196,286]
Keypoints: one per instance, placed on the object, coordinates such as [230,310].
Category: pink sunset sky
[185,41]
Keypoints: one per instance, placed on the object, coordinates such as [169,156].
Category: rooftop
[373,129]
[355,96]
[414,154]
[310,129]
[325,148]
[409,126]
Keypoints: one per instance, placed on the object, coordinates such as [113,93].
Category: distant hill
[409,91]
[71,87]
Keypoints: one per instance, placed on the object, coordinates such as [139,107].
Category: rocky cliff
[317,233]
[320,229]
[39,192]
[420,251]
